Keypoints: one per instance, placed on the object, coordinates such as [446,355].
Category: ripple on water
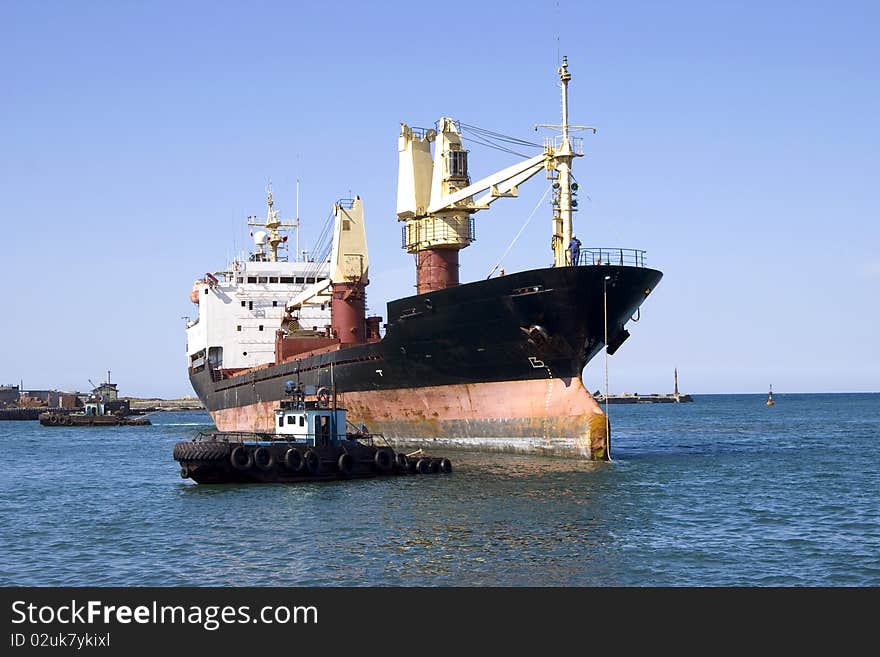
[718,492]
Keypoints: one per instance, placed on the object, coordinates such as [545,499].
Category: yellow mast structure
[272,224]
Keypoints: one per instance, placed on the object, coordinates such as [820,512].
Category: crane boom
[503,181]
[436,199]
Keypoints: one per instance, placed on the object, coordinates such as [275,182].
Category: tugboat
[310,442]
[102,408]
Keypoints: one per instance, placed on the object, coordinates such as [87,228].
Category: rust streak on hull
[556,417]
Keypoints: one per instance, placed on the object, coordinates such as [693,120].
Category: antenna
[557,32]
[297,220]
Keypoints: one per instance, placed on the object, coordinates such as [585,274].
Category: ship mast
[272,224]
[563,149]
[564,157]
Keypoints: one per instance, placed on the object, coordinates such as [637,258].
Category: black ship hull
[493,364]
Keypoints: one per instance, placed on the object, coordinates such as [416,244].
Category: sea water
[722,491]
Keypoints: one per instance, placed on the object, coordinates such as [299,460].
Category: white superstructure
[241,308]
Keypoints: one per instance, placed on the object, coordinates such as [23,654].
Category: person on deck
[575,248]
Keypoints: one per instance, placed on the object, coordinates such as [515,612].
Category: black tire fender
[423,466]
[445,466]
[294,460]
[263,458]
[208,450]
[312,461]
[345,463]
[384,460]
[402,461]
[241,458]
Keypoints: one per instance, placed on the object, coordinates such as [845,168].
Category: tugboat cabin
[309,423]
[94,406]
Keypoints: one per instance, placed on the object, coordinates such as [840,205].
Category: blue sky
[738,144]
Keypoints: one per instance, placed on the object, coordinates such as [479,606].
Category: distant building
[41,395]
[58,399]
[9,396]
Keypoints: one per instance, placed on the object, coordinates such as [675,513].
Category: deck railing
[612,256]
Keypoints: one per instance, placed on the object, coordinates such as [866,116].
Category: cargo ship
[488,365]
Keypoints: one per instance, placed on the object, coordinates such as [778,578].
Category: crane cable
[322,248]
[489,138]
[510,246]
[497,135]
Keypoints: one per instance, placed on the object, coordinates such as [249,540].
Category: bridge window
[238,328]
[287,279]
[273,279]
[262,279]
[261,327]
[310,279]
[300,280]
[252,279]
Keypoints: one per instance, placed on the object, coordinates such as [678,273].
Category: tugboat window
[302,421]
[323,431]
[261,327]
[280,420]
[250,305]
[242,304]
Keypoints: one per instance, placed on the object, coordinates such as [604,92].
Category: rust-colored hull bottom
[554,417]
